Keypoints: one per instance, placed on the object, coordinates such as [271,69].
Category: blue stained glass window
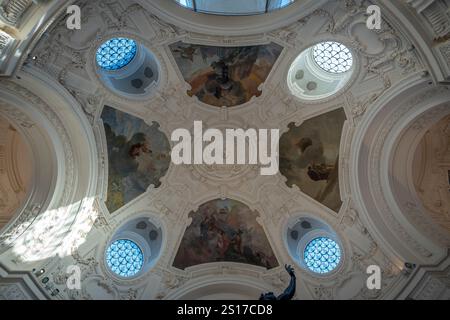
[116,53]
[322,255]
[124,258]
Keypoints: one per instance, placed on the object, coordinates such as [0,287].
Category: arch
[15,171]
[226,288]
[375,143]
[430,171]
[65,161]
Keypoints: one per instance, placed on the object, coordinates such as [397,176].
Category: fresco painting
[138,156]
[309,157]
[224,230]
[225,76]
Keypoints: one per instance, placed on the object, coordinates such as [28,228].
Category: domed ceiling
[15,171]
[139,226]
[431,171]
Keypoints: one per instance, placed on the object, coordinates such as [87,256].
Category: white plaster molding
[388,225]
[428,282]
[69,179]
[228,25]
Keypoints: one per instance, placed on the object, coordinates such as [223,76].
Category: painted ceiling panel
[225,76]
[309,157]
[225,230]
[138,156]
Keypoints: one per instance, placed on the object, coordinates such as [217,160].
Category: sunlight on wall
[56,232]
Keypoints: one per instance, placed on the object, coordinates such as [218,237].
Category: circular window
[314,246]
[234,7]
[116,53]
[127,67]
[321,71]
[322,255]
[124,258]
[134,248]
[333,57]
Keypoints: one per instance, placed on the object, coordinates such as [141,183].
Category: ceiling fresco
[309,157]
[138,156]
[225,230]
[345,106]
[225,76]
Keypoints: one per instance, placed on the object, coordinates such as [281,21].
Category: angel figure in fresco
[311,156]
[126,157]
[186,52]
[131,163]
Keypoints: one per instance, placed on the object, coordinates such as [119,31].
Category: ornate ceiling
[101,150]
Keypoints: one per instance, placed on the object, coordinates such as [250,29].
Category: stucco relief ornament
[88,265]
[101,222]
[130,295]
[11,292]
[359,107]
[17,116]
[166,31]
[98,219]
[330,27]
[20,225]
[171,281]
[367,294]
[107,284]
[75,295]
[425,120]
[206,173]
[323,293]
[287,35]
[406,60]
[278,105]
[352,219]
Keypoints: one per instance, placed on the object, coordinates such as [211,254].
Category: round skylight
[116,53]
[124,258]
[333,57]
[234,7]
[322,255]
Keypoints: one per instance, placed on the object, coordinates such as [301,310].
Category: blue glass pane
[124,258]
[322,255]
[234,7]
[116,53]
